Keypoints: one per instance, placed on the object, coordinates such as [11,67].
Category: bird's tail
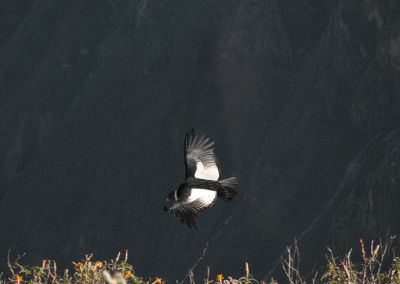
[228,188]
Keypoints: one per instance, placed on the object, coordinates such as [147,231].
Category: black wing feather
[188,212]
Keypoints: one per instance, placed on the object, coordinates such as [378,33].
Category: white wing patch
[200,159]
[205,195]
[211,172]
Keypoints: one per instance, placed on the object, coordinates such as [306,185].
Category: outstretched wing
[187,212]
[200,160]
[198,200]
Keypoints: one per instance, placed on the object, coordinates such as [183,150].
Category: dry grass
[379,265]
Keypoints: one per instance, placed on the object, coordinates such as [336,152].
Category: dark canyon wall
[301,97]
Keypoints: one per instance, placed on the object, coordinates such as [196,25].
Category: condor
[202,185]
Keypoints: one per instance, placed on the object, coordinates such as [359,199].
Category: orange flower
[128,274]
[220,277]
[99,264]
[158,280]
[18,278]
[78,265]
[43,263]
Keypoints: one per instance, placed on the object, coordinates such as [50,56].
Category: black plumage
[202,185]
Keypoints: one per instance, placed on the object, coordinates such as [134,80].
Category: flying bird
[202,184]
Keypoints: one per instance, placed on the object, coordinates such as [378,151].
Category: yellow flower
[220,277]
[18,278]
[158,280]
[128,274]
[99,264]
[78,265]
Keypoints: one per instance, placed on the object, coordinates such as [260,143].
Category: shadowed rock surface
[301,97]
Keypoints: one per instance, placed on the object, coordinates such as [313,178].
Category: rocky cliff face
[301,97]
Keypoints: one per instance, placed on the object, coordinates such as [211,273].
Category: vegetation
[378,265]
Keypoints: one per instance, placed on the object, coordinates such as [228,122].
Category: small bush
[87,270]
